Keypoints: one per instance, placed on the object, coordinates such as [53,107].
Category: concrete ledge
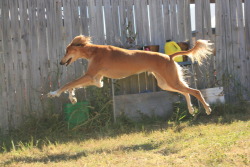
[150,104]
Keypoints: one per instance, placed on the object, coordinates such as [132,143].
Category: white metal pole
[113,97]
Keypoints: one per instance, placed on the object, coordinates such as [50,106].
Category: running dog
[113,62]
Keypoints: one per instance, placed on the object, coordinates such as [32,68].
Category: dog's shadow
[70,156]
[47,159]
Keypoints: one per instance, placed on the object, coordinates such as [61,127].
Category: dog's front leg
[72,97]
[86,80]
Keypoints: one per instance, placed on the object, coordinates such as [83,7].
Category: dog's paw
[73,100]
[191,111]
[208,111]
[53,94]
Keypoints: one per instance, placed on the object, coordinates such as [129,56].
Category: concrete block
[151,104]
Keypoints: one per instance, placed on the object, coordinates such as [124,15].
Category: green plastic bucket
[76,114]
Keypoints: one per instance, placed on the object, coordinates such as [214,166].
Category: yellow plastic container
[172,47]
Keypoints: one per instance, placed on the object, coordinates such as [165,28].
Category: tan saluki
[116,63]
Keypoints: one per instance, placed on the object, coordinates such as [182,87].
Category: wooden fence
[34,33]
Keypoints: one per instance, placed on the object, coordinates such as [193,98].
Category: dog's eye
[79,45]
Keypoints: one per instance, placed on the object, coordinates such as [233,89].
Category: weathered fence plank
[15,53]
[218,35]
[3,87]
[246,60]
[25,55]
[241,56]
[187,19]
[115,21]
[42,45]
[166,20]
[235,47]
[181,20]
[173,15]
[9,71]
[108,22]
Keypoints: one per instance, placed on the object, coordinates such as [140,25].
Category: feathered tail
[198,53]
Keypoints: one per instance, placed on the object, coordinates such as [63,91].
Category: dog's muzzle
[67,62]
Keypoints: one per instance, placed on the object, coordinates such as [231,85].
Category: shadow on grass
[46,159]
[67,156]
[144,147]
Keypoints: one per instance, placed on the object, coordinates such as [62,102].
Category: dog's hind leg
[163,85]
[196,93]
[184,89]
[189,104]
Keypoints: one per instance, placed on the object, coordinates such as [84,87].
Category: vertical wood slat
[146,31]
[15,52]
[100,23]
[8,64]
[156,23]
[108,22]
[173,16]
[188,30]
[54,42]
[54,31]
[207,23]
[210,66]
[25,55]
[241,56]
[235,48]
[167,19]
[3,87]
[246,60]
[218,35]
[199,19]
[122,21]
[42,50]
[229,57]
[92,20]
[34,58]
[181,20]
[115,18]
[83,17]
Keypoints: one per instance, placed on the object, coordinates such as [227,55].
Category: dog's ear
[80,41]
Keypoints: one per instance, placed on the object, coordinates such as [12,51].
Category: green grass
[217,140]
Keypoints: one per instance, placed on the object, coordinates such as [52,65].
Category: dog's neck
[88,51]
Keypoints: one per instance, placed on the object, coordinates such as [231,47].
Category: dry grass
[201,144]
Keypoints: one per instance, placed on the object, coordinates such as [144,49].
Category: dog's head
[73,50]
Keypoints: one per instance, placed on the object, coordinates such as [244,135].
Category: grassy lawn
[209,141]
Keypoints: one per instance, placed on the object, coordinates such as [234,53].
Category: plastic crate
[76,114]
